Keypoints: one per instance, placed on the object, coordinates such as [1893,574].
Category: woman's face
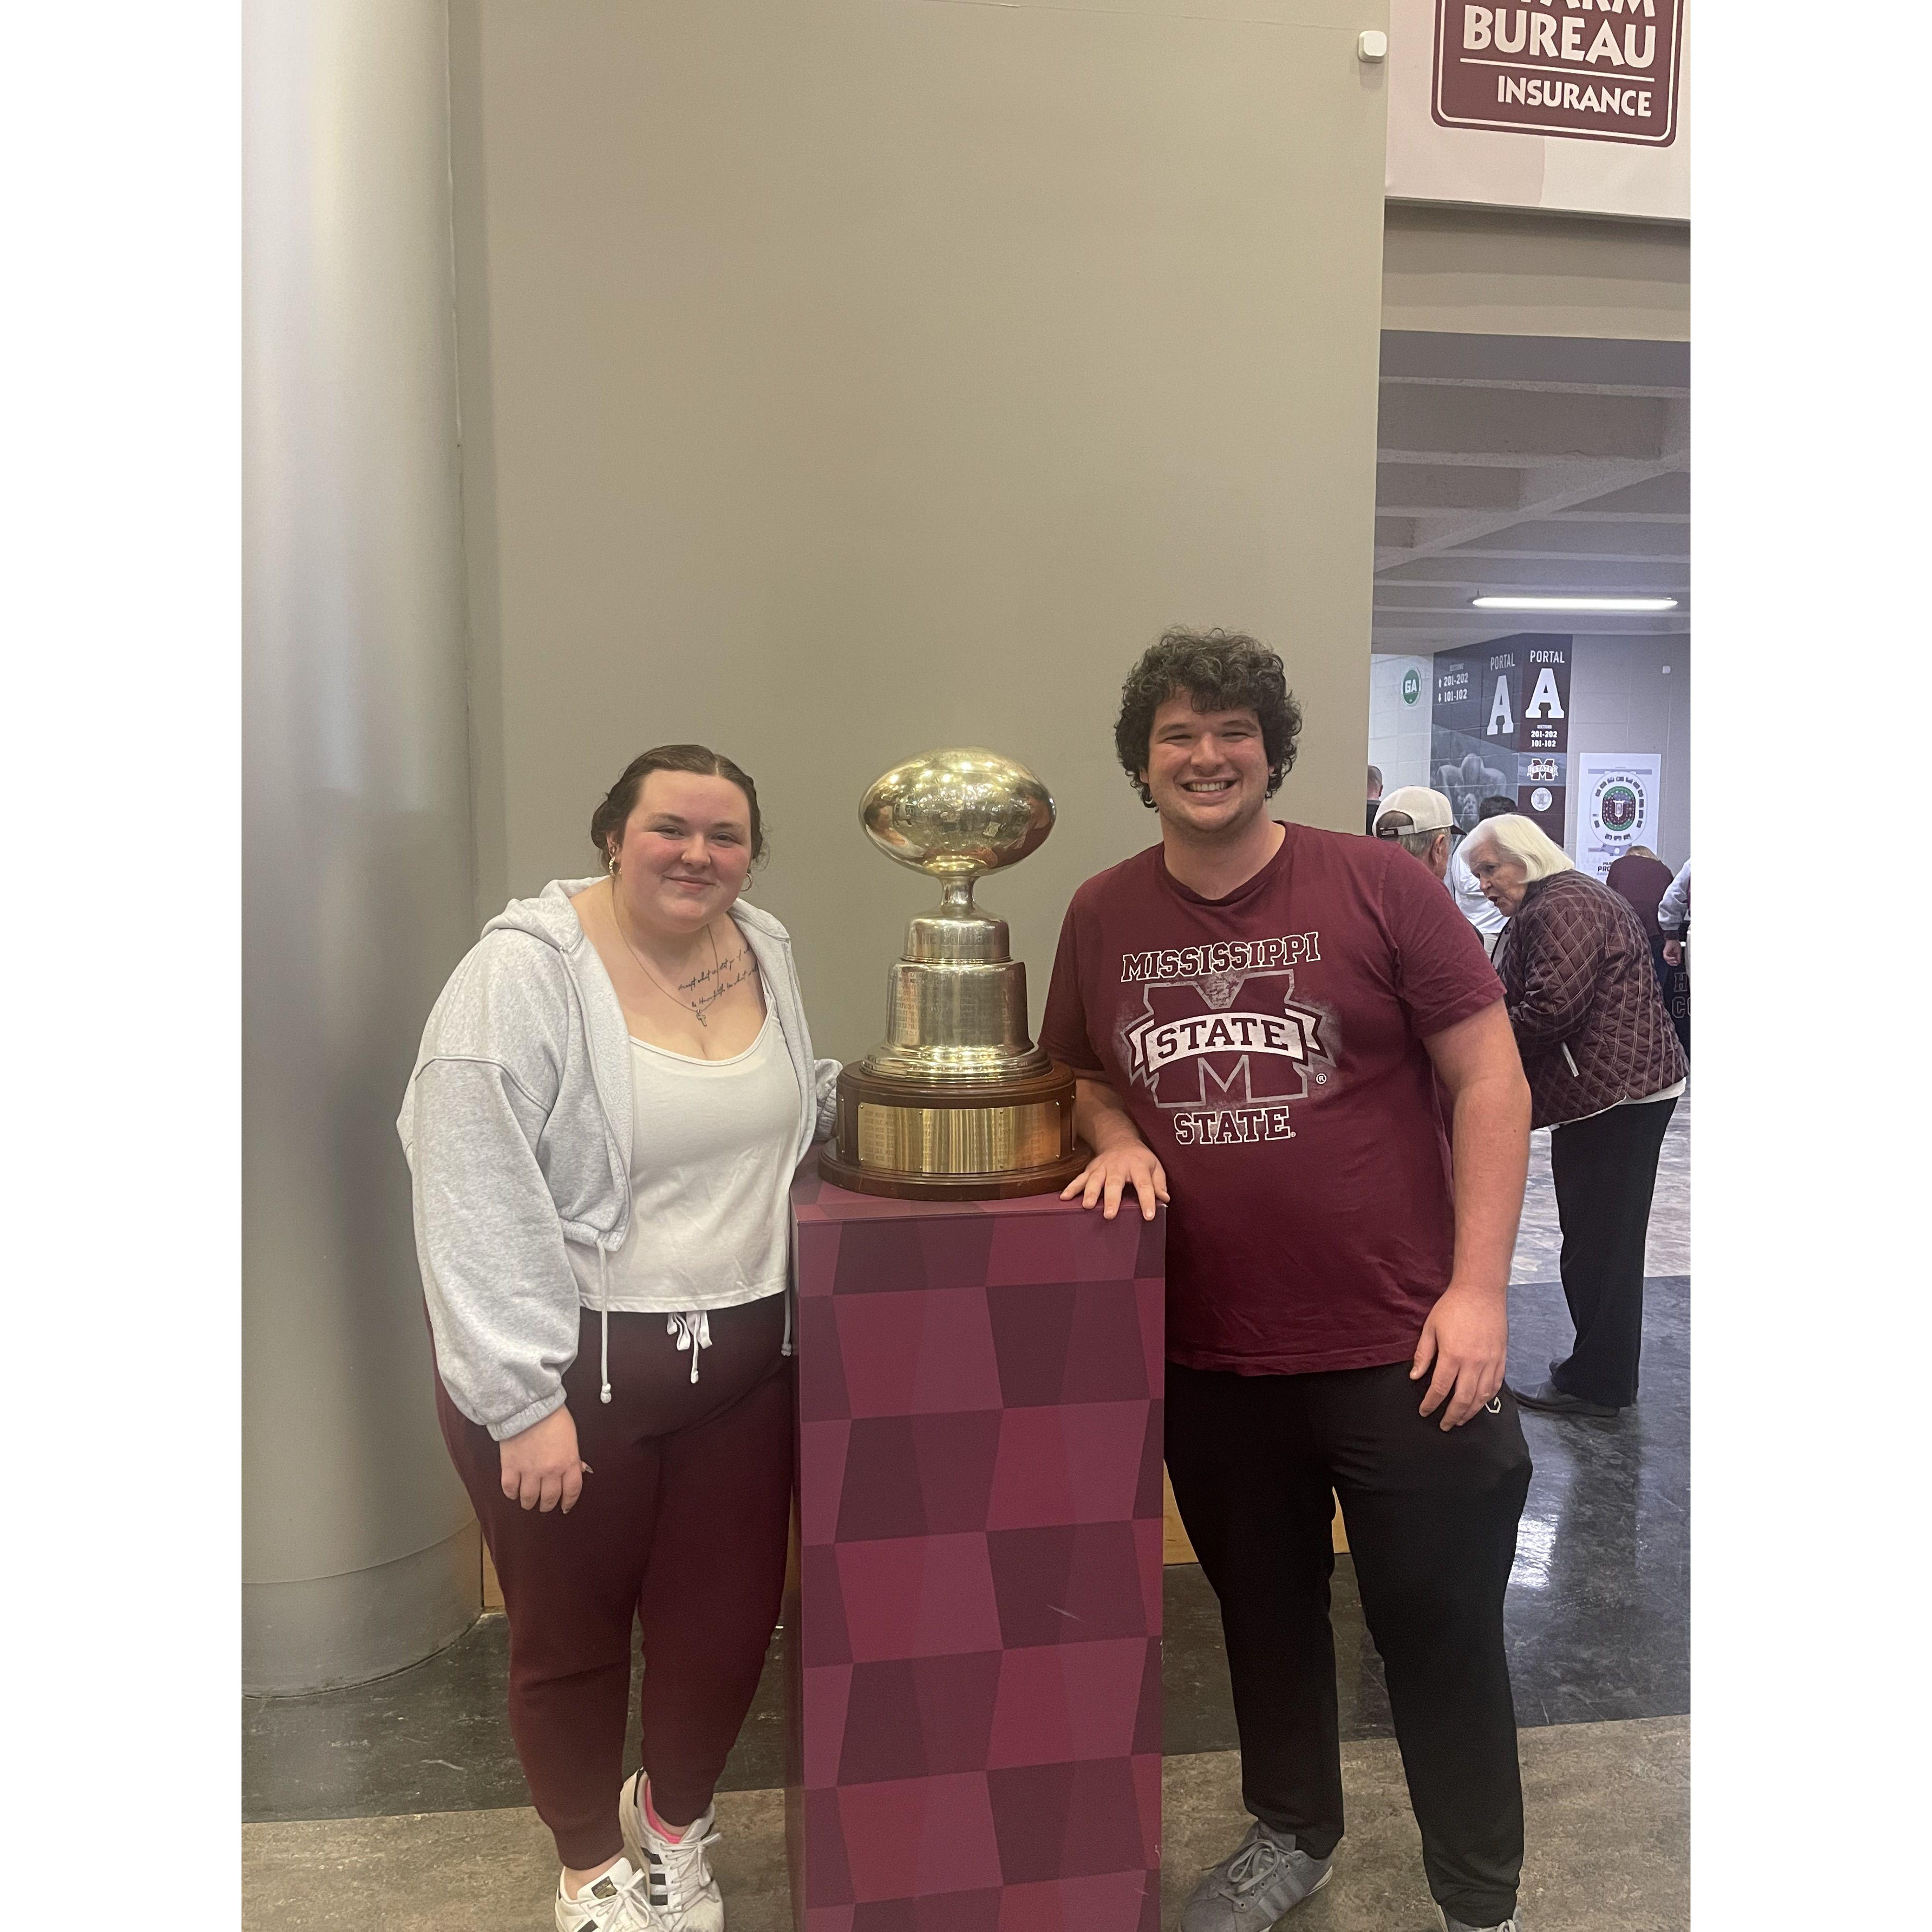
[1501,877]
[687,849]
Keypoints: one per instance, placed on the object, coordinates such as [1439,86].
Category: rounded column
[360,1552]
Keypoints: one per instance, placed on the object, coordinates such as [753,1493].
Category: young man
[1259,1013]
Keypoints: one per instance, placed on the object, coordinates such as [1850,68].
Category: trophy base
[919,1141]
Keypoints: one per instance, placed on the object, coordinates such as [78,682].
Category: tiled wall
[1398,733]
[1633,694]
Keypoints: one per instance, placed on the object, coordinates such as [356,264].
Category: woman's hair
[1639,852]
[1523,840]
[608,820]
[1215,671]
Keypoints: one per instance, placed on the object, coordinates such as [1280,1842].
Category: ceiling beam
[1416,489]
[1513,428]
[1556,537]
[1503,576]
[1547,487]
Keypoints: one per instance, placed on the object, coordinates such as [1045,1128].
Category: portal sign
[1590,69]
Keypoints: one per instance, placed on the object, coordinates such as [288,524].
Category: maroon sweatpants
[682,1525]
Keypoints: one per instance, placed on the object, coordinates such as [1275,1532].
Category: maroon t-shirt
[1269,1046]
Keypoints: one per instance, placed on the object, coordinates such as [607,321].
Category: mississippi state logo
[1224,1047]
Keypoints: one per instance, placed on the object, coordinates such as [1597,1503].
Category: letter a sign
[1544,701]
[1584,70]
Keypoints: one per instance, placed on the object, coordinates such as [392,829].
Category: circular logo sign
[1617,806]
[1412,686]
[1543,798]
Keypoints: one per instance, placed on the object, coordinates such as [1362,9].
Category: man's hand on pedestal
[1121,1159]
[1108,1176]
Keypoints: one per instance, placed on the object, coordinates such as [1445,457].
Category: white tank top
[711,1143]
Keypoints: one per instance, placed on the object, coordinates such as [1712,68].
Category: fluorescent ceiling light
[1574,603]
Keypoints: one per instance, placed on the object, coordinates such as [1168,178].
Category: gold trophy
[956,1103]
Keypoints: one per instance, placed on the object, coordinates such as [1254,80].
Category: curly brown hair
[614,814]
[1216,670]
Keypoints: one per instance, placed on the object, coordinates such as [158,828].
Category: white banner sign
[1618,796]
[1563,123]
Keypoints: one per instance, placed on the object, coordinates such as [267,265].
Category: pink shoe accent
[675,1833]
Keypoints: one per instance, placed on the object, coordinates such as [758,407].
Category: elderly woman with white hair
[1605,1069]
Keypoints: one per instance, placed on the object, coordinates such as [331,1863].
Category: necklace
[617,919]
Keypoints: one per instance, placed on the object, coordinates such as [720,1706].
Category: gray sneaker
[1511,1923]
[1264,1877]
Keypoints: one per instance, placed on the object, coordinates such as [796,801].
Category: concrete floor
[1607,1808]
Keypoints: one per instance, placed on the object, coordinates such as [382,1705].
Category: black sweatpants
[1605,1171]
[1431,1518]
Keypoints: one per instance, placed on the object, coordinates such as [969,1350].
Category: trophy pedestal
[972,1632]
[913,1140]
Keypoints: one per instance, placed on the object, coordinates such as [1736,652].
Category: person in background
[1375,795]
[1673,916]
[1470,900]
[612,1094]
[1641,878]
[1337,1304]
[1605,1070]
[1673,925]
[1420,822]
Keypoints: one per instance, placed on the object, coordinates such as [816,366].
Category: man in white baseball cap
[1422,820]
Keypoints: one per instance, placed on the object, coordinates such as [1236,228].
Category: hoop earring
[611,863]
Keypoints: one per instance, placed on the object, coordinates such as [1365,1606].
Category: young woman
[612,1094]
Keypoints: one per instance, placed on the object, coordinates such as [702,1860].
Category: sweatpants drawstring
[693,1332]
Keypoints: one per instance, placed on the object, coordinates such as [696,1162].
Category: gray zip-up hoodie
[517,1126]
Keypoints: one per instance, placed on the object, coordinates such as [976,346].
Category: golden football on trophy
[956,1103]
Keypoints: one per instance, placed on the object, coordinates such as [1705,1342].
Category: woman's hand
[1673,953]
[540,1466]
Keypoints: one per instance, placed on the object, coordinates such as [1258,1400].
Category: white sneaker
[683,1894]
[618,1901]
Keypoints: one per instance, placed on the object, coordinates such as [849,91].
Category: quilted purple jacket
[1581,994]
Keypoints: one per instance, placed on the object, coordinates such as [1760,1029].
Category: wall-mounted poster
[1500,727]
[1617,800]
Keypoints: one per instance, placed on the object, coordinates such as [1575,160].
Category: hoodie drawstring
[604,1314]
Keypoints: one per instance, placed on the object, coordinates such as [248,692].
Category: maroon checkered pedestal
[973,1646]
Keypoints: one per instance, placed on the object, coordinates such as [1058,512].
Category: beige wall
[1486,271]
[844,378]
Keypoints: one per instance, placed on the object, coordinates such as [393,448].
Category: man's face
[1208,770]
